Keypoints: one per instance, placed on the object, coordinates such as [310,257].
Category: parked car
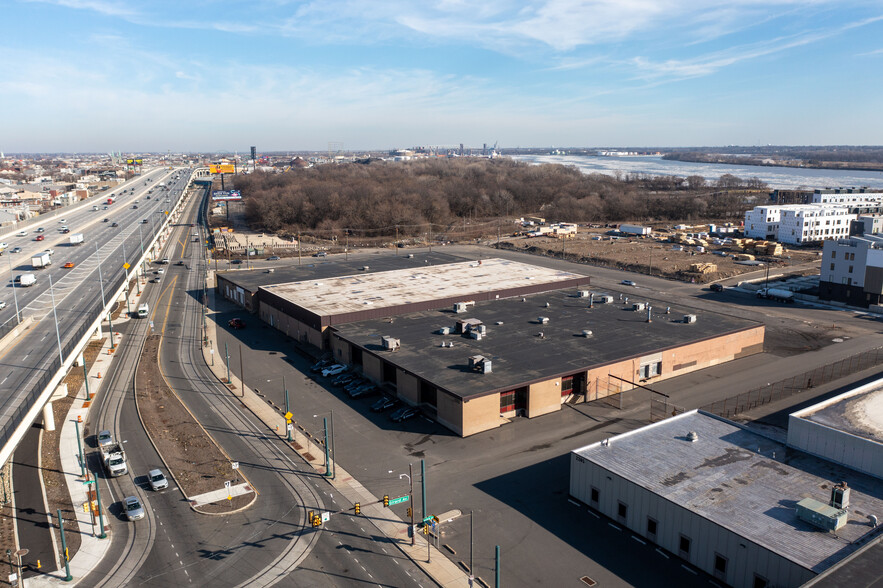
[105,439]
[334,370]
[274,258]
[320,365]
[384,403]
[355,383]
[363,390]
[157,480]
[628,283]
[133,508]
[716,288]
[403,414]
[236,323]
[236,262]
[320,254]
[343,380]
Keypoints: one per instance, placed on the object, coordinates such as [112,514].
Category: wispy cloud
[118,9]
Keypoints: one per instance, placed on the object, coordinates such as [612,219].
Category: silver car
[134,510]
[157,480]
[104,438]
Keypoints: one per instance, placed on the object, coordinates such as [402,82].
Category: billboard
[226,195]
[226,168]
[139,162]
[130,162]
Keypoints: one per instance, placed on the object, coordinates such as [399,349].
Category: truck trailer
[776,294]
[26,280]
[41,260]
[76,238]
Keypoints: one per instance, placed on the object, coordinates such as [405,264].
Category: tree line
[385,197]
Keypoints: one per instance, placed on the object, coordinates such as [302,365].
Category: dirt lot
[650,256]
[194,460]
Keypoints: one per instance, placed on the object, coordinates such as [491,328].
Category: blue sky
[206,75]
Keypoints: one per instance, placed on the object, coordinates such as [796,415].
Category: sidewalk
[442,570]
[92,549]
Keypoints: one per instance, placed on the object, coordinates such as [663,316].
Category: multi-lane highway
[74,300]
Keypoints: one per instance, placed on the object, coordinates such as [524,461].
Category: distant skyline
[100,75]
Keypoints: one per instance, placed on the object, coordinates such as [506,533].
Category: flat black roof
[518,355]
[287,270]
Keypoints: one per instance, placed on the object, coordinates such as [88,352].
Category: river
[776,177]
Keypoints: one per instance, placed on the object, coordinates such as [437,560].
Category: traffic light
[386,500]
[426,529]
[317,521]
[409,512]
[358,508]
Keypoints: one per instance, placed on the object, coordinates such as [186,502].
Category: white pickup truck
[114,458]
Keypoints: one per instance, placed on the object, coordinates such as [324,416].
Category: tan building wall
[341,350]
[372,366]
[407,386]
[543,398]
[481,414]
[291,327]
[450,412]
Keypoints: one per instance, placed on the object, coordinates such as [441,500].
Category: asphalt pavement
[31,519]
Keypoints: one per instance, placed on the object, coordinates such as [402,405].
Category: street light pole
[67,566]
[241,371]
[126,276]
[102,535]
[55,314]
[411,499]
[227,353]
[288,425]
[14,293]
[103,300]
[80,448]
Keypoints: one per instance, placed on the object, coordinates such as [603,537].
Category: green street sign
[429,519]
[398,500]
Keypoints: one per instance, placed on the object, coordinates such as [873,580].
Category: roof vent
[410,256]
[587,333]
[543,320]
[444,331]
[639,306]
[690,318]
[692,436]
[583,294]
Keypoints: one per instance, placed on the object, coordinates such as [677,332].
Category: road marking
[614,526]
[4,379]
[661,553]
[594,515]
[573,502]
[641,541]
[694,572]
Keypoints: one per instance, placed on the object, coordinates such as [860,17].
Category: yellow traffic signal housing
[358,508]
[426,529]
[386,500]
[409,511]
[317,521]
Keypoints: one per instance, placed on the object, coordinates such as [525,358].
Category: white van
[143,311]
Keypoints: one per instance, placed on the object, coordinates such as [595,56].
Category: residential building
[852,270]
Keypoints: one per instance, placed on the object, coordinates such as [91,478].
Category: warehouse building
[473,367]
[847,429]
[304,310]
[739,505]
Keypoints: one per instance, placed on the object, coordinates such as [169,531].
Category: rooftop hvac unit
[482,329]
[605,299]
[639,306]
[543,320]
[690,318]
[821,515]
[410,256]
[583,293]
[840,496]
[391,343]
[444,331]
[480,363]
[587,333]
[462,306]
[475,335]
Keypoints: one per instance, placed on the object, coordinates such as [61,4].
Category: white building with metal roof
[725,499]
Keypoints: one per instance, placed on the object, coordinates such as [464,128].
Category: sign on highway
[225,168]
[288,416]
[220,195]
[326,516]
[398,500]
[126,265]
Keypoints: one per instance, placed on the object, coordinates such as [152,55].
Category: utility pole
[411,500]
[241,371]
[497,567]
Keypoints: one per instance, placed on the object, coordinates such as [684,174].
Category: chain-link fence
[662,409]
[740,403]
